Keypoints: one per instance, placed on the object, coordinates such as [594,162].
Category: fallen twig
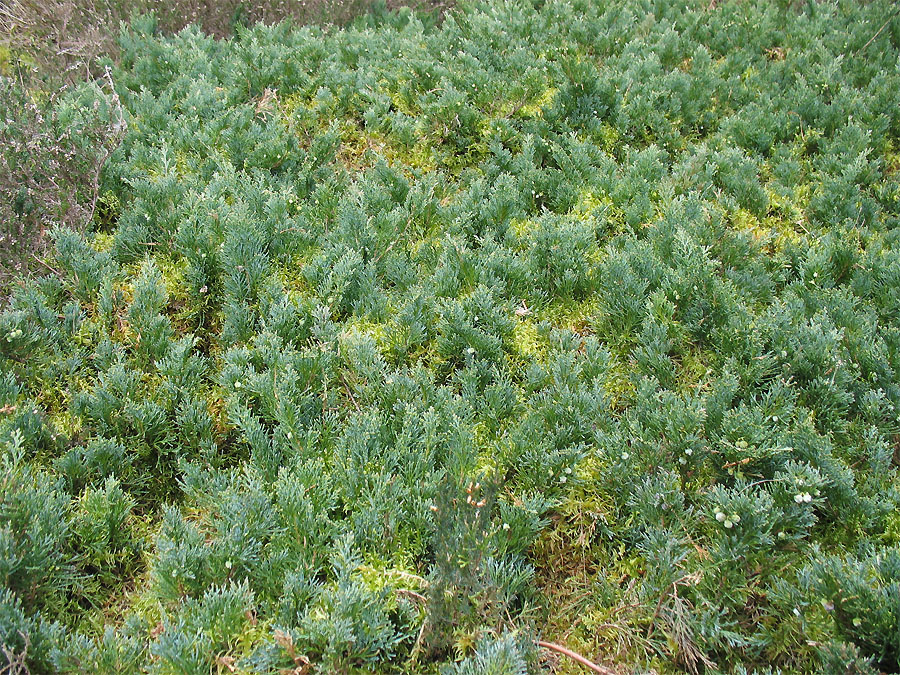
[411,594]
[877,33]
[575,657]
[45,264]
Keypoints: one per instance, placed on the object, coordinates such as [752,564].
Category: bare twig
[45,264]
[737,462]
[118,130]
[16,664]
[578,658]
[350,394]
[878,32]
[391,245]
[411,594]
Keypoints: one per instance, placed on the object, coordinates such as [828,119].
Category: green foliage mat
[399,347]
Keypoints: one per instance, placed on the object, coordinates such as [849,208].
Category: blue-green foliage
[506,655]
[390,339]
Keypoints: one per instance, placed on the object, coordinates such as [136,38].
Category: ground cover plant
[397,348]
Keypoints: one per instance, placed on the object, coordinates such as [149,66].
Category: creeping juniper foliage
[401,347]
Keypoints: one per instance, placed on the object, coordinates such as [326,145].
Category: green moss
[571,314]
[537,107]
[526,342]
[5,61]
